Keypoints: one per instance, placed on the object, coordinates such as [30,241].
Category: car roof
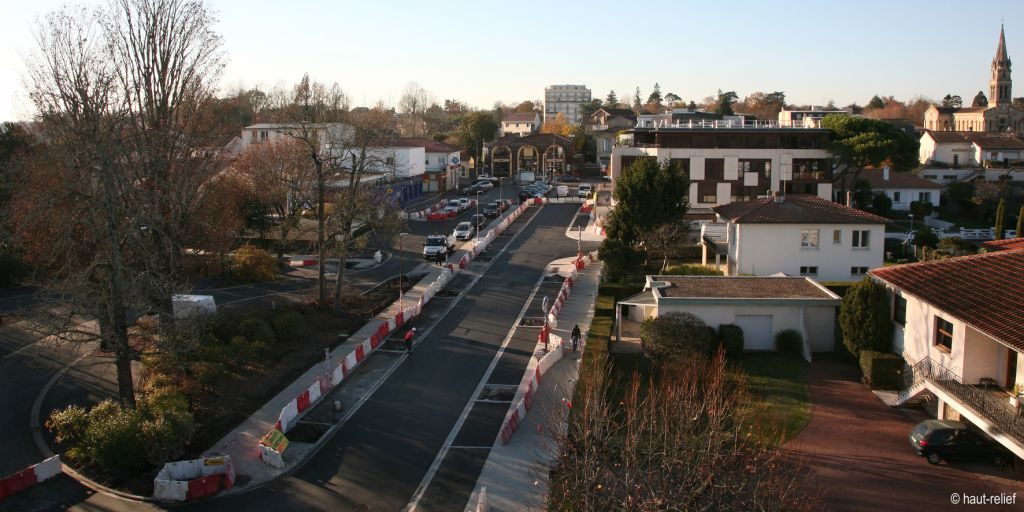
[934,425]
[461,224]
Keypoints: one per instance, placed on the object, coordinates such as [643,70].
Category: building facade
[565,100]
[902,188]
[999,116]
[970,149]
[957,324]
[530,157]
[734,160]
[519,123]
[802,235]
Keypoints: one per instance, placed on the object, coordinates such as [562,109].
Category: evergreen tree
[647,195]
[636,101]
[655,96]
[864,318]
[876,102]
[980,100]
[1020,222]
[612,100]
[1000,214]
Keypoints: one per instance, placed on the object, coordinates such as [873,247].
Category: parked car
[567,178]
[438,243]
[939,440]
[493,209]
[472,189]
[453,206]
[463,203]
[584,190]
[562,191]
[464,231]
[485,186]
[479,220]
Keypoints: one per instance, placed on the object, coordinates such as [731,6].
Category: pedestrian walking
[439,258]
[408,339]
[575,336]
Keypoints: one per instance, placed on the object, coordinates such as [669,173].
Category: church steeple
[1000,84]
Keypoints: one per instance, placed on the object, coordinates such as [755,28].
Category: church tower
[999,85]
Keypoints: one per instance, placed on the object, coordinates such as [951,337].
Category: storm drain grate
[531,321]
[497,393]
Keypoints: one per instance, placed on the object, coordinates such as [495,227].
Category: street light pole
[476,220]
[401,271]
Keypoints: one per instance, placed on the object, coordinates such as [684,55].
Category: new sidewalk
[515,475]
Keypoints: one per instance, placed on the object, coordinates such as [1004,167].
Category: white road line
[429,476]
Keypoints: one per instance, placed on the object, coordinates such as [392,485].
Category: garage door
[757,331]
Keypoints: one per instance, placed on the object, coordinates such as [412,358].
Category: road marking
[471,447]
[448,442]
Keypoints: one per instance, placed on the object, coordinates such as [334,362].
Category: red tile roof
[795,209]
[1004,245]
[520,117]
[903,180]
[984,140]
[985,291]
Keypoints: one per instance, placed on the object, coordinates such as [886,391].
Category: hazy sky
[481,52]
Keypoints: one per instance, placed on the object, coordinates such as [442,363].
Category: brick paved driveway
[857,449]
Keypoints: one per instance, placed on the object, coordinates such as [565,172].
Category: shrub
[881,204]
[789,342]
[257,329]
[288,324]
[865,318]
[112,440]
[252,264]
[68,426]
[167,424]
[921,209]
[676,334]
[881,369]
[731,336]
[620,260]
[925,237]
[692,270]
[208,373]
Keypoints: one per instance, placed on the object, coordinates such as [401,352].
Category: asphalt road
[382,453]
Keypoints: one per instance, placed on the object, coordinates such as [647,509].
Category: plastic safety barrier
[193,479]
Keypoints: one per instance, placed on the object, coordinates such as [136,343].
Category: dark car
[567,178]
[939,440]
[493,209]
[472,189]
[479,220]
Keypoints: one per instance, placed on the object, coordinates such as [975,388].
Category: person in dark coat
[575,336]
[439,258]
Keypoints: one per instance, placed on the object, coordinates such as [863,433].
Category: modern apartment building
[735,160]
[565,99]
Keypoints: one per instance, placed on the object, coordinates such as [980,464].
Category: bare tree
[118,92]
[665,239]
[367,152]
[413,104]
[280,175]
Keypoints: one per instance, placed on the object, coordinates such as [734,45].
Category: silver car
[464,231]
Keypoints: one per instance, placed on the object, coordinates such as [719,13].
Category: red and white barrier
[425,213]
[193,479]
[30,476]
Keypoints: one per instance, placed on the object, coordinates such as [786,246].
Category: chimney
[849,198]
[885,173]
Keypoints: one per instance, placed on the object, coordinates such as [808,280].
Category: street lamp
[401,271]
[911,222]
[476,220]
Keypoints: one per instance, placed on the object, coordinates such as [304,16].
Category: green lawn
[779,406]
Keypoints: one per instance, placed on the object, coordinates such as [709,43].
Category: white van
[562,191]
[584,190]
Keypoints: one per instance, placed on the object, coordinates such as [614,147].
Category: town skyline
[750,54]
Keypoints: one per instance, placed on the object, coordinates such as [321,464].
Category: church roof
[1001,55]
[960,110]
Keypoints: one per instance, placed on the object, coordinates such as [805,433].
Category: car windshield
[922,429]
[434,240]
[453,202]
[462,227]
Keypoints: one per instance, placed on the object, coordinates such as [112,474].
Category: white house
[761,306]
[326,133]
[522,123]
[902,188]
[441,163]
[970,149]
[801,235]
[959,326]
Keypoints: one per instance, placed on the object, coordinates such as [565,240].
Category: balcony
[990,402]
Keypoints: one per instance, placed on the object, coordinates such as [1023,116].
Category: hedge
[881,369]
[731,336]
[789,342]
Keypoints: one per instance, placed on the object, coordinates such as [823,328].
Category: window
[924,197]
[858,271]
[899,309]
[860,238]
[930,176]
[389,161]
[837,236]
[709,198]
[896,197]
[808,271]
[944,334]
[809,239]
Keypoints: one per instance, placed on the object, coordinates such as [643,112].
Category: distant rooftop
[740,287]
[737,123]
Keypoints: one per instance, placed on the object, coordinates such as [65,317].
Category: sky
[482,52]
